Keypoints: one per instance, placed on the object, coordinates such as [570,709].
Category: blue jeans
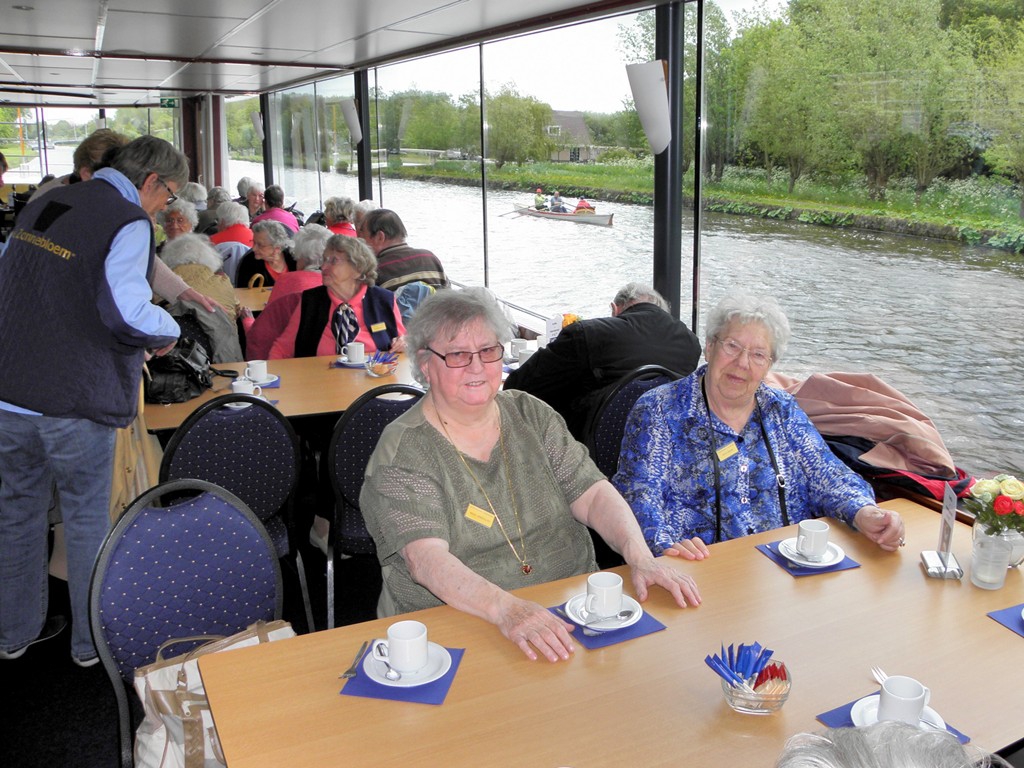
[35,452]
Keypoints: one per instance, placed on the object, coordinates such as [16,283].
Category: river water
[939,321]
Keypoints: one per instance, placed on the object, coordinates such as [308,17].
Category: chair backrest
[243,444]
[202,566]
[605,430]
[352,443]
[231,253]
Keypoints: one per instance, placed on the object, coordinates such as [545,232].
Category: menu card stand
[941,563]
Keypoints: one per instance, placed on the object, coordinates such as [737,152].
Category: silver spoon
[379,654]
[621,616]
[586,631]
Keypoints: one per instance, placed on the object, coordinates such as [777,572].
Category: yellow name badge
[478,515]
[727,451]
[377,327]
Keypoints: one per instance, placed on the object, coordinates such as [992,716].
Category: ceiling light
[258,53]
[23,7]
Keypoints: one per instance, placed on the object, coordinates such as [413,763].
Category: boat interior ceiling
[109,53]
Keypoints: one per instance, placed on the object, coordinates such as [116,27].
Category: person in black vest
[76,322]
[271,255]
[347,307]
[573,371]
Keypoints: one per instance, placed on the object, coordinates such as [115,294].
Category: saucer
[241,406]
[833,555]
[574,607]
[439,661]
[342,362]
[865,712]
[271,378]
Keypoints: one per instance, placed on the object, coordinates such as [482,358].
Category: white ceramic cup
[812,539]
[406,647]
[516,347]
[246,387]
[604,594]
[355,351]
[525,353]
[903,699]
[256,370]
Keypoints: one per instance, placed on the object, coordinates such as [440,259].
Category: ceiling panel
[157,46]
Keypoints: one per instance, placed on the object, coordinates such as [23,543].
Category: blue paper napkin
[430,693]
[645,626]
[840,718]
[771,551]
[272,385]
[1010,618]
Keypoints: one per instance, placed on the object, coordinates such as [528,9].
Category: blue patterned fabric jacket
[667,475]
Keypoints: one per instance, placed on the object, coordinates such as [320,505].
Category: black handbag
[181,374]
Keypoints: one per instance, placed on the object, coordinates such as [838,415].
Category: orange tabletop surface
[309,386]
[650,701]
[254,298]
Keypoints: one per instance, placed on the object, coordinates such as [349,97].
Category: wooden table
[309,386]
[254,298]
[650,701]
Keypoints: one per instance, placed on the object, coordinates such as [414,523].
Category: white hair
[191,249]
[230,213]
[745,308]
[308,245]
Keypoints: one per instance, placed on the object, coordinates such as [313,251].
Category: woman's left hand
[882,526]
[649,571]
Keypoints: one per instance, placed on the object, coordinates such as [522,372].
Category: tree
[516,127]
[1003,96]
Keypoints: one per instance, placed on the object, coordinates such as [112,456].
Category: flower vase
[1016,539]
[990,558]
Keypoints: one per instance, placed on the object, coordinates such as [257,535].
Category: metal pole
[483,160]
[668,176]
[363,161]
[698,165]
[268,161]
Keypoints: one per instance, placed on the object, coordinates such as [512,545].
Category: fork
[879,675]
[351,671]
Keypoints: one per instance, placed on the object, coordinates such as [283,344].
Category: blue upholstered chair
[608,424]
[243,444]
[352,443]
[204,565]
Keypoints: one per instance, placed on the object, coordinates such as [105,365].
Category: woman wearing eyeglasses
[347,307]
[474,492]
[719,454]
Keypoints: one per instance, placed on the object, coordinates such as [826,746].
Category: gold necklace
[525,567]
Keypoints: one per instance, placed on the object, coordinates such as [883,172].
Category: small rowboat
[600,219]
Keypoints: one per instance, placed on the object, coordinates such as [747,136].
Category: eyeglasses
[171,196]
[330,261]
[733,349]
[462,359]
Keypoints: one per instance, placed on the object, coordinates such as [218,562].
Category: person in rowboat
[539,201]
[474,492]
[557,205]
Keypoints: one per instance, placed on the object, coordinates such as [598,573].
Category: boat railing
[530,322]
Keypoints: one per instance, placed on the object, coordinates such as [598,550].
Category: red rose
[1018,507]
[1003,505]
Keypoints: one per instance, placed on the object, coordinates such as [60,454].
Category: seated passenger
[208,218]
[398,263]
[270,255]
[556,204]
[582,206]
[273,199]
[254,199]
[193,259]
[308,250]
[178,218]
[347,307]
[474,492]
[232,224]
[338,212]
[539,201]
[719,454]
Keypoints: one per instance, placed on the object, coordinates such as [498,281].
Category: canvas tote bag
[177,731]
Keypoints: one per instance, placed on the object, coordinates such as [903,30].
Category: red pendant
[527,569]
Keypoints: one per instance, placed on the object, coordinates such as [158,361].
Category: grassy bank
[977,211]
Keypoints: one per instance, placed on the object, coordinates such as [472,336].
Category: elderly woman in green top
[474,492]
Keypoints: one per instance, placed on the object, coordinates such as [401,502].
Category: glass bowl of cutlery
[381,364]
[761,695]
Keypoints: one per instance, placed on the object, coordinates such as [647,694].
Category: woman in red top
[338,213]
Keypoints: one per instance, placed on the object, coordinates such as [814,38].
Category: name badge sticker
[727,451]
[379,327]
[478,515]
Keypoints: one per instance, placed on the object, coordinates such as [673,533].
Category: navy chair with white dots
[201,565]
[352,443]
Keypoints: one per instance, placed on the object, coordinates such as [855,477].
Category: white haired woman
[192,258]
[475,492]
[179,218]
[232,224]
[338,212]
[718,454]
[308,250]
[208,216]
[347,307]
[270,255]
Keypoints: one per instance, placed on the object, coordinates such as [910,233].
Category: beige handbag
[178,730]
